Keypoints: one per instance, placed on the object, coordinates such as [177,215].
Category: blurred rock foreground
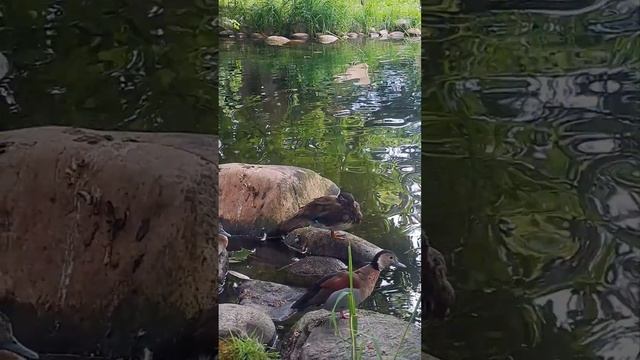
[106,238]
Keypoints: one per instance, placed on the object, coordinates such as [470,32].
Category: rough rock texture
[314,337]
[272,298]
[439,295]
[300,36]
[313,241]
[256,198]
[276,40]
[244,321]
[105,234]
[327,39]
[306,271]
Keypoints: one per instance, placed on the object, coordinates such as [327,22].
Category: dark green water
[532,152]
[103,64]
[291,106]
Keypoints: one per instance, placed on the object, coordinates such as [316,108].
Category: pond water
[349,111]
[532,144]
[117,65]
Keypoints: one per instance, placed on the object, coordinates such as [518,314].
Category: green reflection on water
[294,106]
[134,65]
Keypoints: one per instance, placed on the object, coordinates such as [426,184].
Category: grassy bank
[327,16]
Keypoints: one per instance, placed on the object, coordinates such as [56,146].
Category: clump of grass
[236,348]
[321,16]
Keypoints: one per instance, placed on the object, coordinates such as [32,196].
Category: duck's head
[9,343]
[384,259]
[347,200]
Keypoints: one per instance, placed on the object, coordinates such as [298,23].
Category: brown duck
[328,212]
[10,347]
[438,293]
[328,291]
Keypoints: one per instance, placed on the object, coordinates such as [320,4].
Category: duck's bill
[14,346]
[399,265]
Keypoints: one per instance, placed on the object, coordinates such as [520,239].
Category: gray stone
[227,33]
[308,270]
[273,299]
[396,35]
[314,337]
[276,40]
[314,241]
[327,39]
[300,36]
[414,32]
[245,321]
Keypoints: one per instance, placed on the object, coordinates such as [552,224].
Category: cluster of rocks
[262,196]
[301,38]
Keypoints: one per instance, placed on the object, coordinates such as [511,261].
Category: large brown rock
[255,198]
[106,238]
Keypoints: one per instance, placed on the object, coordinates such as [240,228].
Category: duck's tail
[295,222]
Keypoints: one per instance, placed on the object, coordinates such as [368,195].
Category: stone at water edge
[245,321]
[272,298]
[160,266]
[275,40]
[374,35]
[396,35]
[352,35]
[318,242]
[327,39]
[308,270]
[414,32]
[384,33]
[226,33]
[257,36]
[256,198]
[300,36]
[314,337]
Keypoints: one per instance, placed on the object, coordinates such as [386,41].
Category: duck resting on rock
[333,212]
[327,292]
[10,347]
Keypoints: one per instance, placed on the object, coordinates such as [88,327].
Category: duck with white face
[10,347]
[328,291]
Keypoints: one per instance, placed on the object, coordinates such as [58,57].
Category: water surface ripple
[532,141]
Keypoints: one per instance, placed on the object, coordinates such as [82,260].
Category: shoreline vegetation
[283,22]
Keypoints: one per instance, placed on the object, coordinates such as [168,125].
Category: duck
[328,291]
[10,347]
[332,212]
[438,292]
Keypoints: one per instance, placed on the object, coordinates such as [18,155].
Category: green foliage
[249,348]
[321,16]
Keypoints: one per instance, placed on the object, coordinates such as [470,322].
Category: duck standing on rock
[328,212]
[10,347]
[328,290]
